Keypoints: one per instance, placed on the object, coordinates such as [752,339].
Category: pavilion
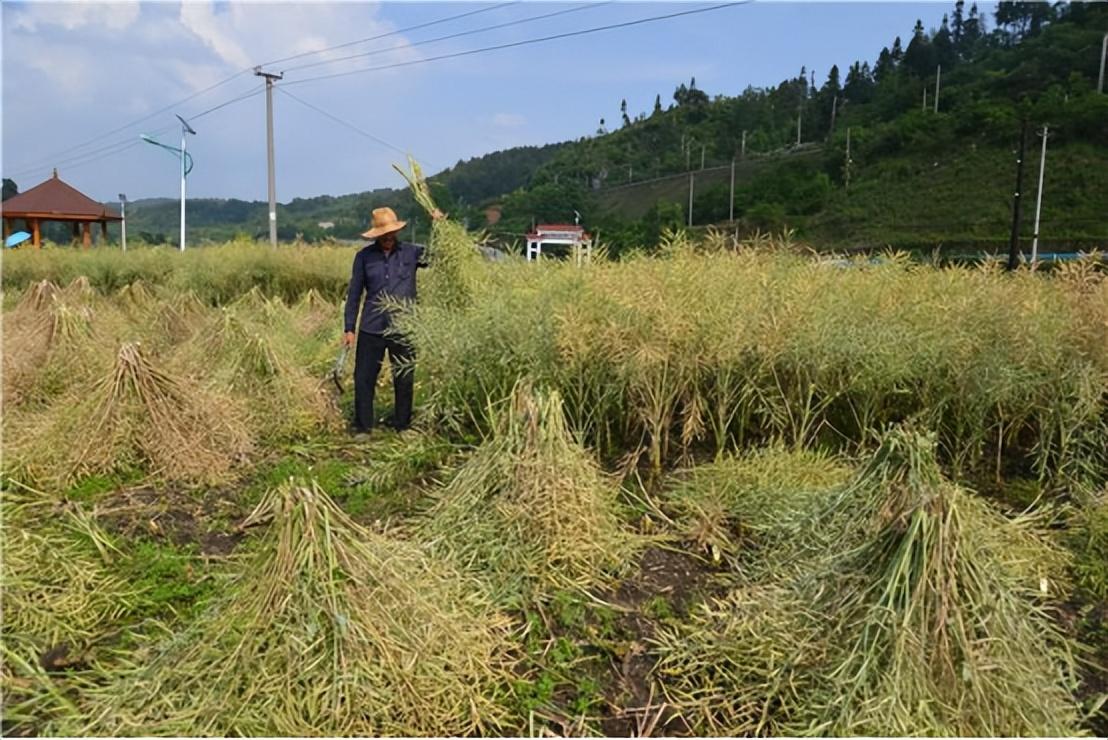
[55,200]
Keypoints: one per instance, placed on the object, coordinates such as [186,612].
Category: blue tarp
[16,239]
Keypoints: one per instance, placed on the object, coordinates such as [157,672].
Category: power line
[390,33]
[347,124]
[525,42]
[193,96]
[460,34]
[118,147]
[49,161]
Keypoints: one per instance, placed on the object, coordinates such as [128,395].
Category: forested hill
[916,175]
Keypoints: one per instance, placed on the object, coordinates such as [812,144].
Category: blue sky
[74,71]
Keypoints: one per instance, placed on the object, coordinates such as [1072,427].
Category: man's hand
[348,339]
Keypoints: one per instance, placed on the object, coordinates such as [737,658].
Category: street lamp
[185,129]
[123,223]
[186,164]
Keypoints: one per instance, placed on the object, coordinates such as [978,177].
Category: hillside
[917,177]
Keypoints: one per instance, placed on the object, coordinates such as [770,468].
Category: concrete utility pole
[702,148]
[1103,54]
[924,109]
[938,76]
[742,152]
[799,113]
[846,166]
[1014,245]
[691,178]
[1039,199]
[731,200]
[123,223]
[834,107]
[269,78]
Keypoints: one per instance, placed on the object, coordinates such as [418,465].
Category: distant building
[575,237]
[326,225]
[55,200]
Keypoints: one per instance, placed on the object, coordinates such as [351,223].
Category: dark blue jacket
[377,276]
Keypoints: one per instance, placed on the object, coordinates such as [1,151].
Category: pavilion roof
[55,199]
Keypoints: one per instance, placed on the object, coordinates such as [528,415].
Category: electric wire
[348,125]
[48,161]
[389,33]
[460,34]
[524,42]
[118,147]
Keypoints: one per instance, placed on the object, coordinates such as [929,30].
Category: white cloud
[200,18]
[509,120]
[115,16]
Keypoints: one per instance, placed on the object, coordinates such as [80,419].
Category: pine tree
[897,52]
[623,112]
[958,26]
[885,65]
[657,105]
[919,57]
[973,30]
[944,44]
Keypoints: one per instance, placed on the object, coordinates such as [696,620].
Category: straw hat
[384,222]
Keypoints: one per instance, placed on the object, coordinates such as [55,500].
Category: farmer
[385,268]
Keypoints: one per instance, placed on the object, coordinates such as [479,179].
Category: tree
[919,57]
[943,44]
[859,83]
[657,105]
[623,112]
[1024,19]
[600,130]
[885,66]
[897,52]
[10,188]
[958,25]
[973,30]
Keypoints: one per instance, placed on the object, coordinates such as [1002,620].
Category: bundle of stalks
[925,612]
[59,599]
[452,252]
[531,508]
[135,416]
[55,339]
[244,352]
[745,664]
[329,630]
[943,633]
[758,496]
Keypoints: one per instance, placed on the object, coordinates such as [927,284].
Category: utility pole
[846,167]
[834,107]
[743,150]
[938,76]
[1013,246]
[688,157]
[1039,199]
[269,78]
[924,99]
[731,200]
[702,148]
[123,223]
[1103,54]
[799,113]
[691,178]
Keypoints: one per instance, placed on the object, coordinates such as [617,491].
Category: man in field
[385,268]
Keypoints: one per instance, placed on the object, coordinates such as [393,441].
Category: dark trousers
[367,366]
